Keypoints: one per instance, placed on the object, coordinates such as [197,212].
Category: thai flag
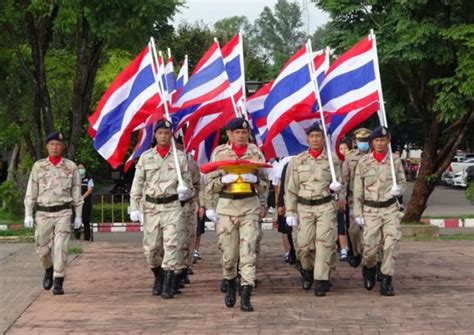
[169,76]
[144,140]
[126,104]
[208,80]
[233,53]
[291,107]
[256,112]
[182,78]
[203,152]
[349,91]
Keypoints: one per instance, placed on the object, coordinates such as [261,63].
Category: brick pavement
[108,290]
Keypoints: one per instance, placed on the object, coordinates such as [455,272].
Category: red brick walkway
[108,291]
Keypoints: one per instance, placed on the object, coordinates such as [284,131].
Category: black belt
[380,204]
[52,209]
[236,196]
[162,200]
[315,202]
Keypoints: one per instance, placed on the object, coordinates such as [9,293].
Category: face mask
[82,172]
[363,146]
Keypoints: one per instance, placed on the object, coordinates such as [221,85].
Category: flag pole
[167,114]
[314,80]
[383,116]
[236,111]
[242,66]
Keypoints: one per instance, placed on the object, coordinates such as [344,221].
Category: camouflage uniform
[238,226]
[372,187]
[156,178]
[308,179]
[51,186]
[190,209]
[348,174]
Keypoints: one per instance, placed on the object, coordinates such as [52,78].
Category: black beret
[55,136]
[380,131]
[237,123]
[163,124]
[314,127]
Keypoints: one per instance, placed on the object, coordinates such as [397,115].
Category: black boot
[369,275]
[231,293]
[177,282]
[159,276]
[181,279]
[379,273]
[321,287]
[354,261]
[223,286]
[386,287]
[58,286]
[245,304]
[186,276]
[292,257]
[307,279]
[167,292]
[48,278]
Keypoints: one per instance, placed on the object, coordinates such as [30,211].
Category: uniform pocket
[304,173]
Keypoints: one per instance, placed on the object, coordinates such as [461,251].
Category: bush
[11,199]
[107,208]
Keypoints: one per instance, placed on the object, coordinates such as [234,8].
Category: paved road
[108,291]
[444,201]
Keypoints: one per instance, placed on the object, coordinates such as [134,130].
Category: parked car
[456,174]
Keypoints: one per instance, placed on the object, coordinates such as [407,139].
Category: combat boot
[159,276]
[231,293]
[369,275]
[354,261]
[386,287]
[321,287]
[186,276]
[307,279]
[379,271]
[167,292]
[223,286]
[48,278]
[245,304]
[58,286]
[177,283]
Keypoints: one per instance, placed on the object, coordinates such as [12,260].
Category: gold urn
[240,186]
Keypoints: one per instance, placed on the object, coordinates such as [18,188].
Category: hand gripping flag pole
[167,114]
[312,71]
[383,116]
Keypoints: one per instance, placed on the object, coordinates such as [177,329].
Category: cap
[163,124]
[379,132]
[314,127]
[55,136]
[362,133]
[237,123]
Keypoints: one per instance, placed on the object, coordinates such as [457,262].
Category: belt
[315,202]
[162,200]
[380,204]
[52,209]
[236,196]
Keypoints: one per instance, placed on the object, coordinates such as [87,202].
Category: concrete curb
[450,223]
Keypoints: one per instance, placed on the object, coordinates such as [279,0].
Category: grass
[75,250]
[462,216]
[18,232]
[457,237]
[8,218]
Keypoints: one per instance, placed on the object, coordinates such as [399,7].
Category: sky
[210,11]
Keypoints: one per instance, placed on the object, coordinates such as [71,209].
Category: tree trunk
[434,161]
[87,64]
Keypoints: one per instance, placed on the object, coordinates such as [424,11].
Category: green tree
[426,52]
[47,35]
[279,32]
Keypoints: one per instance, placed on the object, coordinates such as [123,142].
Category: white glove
[136,216]
[212,215]
[250,178]
[292,221]
[77,223]
[28,222]
[396,191]
[184,193]
[229,178]
[335,186]
[360,221]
